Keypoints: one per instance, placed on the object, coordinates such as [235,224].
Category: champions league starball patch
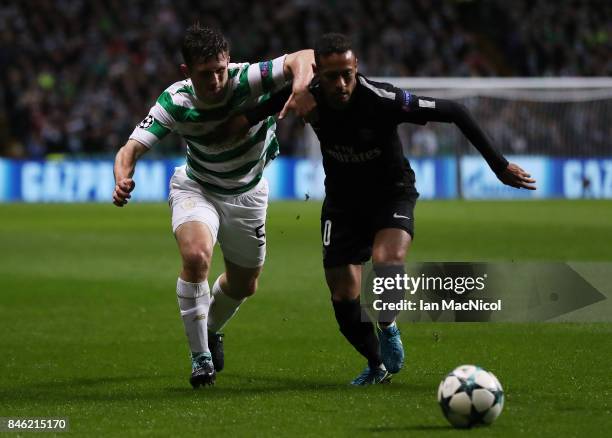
[147,122]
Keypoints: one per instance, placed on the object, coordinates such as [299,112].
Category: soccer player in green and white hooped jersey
[220,194]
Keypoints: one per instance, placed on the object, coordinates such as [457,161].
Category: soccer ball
[470,396]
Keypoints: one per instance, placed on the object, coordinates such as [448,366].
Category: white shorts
[237,222]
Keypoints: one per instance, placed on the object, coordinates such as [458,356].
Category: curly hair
[202,43]
[331,43]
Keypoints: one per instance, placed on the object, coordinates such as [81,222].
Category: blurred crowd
[578,128]
[76,76]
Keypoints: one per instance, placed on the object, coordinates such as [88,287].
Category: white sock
[194,302]
[222,308]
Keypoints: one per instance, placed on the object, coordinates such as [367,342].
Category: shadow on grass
[128,388]
[252,384]
[413,428]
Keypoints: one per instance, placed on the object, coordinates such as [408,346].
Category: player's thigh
[195,242]
[346,236]
[195,220]
[344,282]
[394,230]
[242,230]
[391,245]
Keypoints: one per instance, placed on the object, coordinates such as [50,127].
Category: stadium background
[75,83]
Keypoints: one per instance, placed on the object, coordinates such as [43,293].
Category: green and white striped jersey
[230,168]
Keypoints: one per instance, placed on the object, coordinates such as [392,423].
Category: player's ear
[185,70]
[356,64]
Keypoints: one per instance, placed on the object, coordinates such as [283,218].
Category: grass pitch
[91,331]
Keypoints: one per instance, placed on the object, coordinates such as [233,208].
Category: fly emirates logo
[347,154]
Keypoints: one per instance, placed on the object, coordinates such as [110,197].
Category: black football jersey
[362,153]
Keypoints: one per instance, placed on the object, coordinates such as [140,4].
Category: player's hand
[516,177]
[122,191]
[301,102]
[227,132]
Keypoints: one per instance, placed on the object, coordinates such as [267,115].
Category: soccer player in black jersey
[368,210]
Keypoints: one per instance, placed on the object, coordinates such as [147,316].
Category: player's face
[209,78]
[337,75]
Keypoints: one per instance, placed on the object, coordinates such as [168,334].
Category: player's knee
[388,255]
[197,258]
[341,294]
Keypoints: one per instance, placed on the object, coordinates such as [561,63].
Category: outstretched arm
[448,111]
[399,106]
[418,109]
[125,164]
[297,68]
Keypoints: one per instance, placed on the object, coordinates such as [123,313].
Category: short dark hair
[202,43]
[331,43]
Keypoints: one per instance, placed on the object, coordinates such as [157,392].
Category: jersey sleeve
[392,104]
[400,106]
[267,76]
[155,126]
[423,109]
[428,109]
[416,109]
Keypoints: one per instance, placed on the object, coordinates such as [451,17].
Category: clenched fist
[122,191]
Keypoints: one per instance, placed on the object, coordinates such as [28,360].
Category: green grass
[90,329]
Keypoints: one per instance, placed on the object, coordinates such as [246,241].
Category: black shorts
[348,231]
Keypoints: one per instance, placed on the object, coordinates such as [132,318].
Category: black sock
[395,295]
[360,334]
